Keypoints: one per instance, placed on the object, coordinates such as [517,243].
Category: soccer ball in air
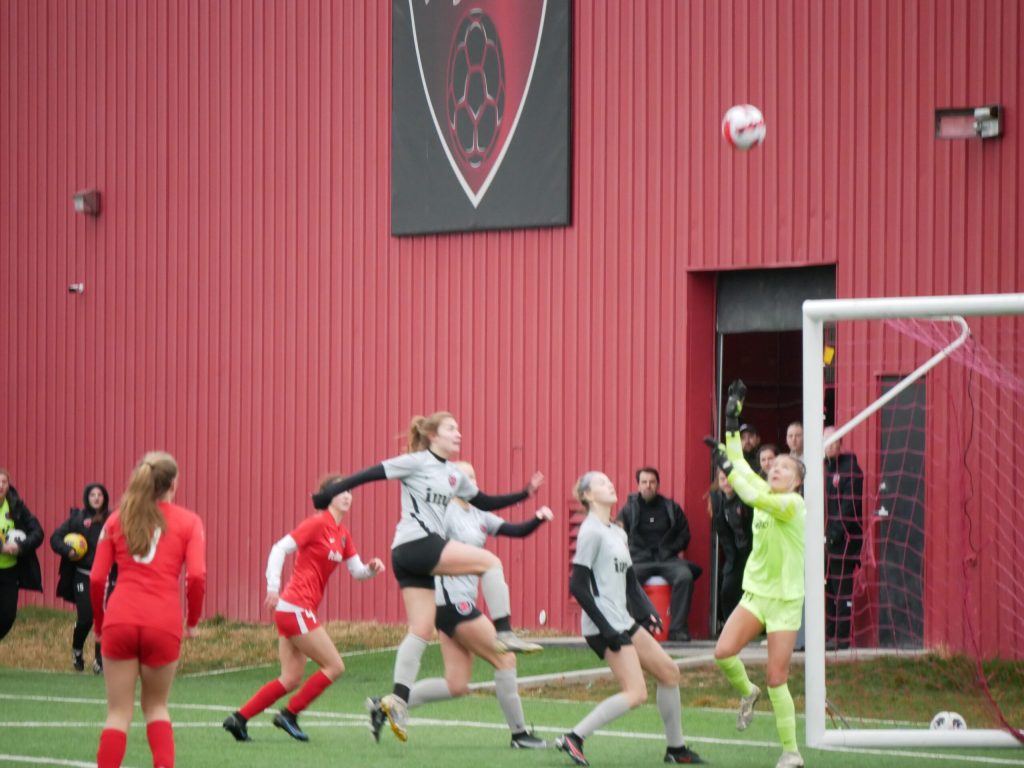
[78,544]
[15,536]
[476,88]
[743,126]
[948,721]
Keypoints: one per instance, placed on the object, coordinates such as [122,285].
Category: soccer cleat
[526,740]
[288,723]
[77,660]
[746,713]
[508,642]
[377,717]
[397,713]
[97,665]
[235,724]
[790,760]
[682,756]
[572,745]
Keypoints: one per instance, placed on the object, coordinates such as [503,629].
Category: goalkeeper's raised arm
[773,585]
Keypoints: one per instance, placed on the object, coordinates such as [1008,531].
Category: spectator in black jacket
[844,493]
[659,533]
[73,584]
[19,565]
[732,521]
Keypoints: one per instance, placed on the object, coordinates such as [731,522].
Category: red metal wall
[246,308]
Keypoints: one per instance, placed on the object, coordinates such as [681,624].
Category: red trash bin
[660,593]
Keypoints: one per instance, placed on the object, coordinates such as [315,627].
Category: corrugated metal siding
[246,308]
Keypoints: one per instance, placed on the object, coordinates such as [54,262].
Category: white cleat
[397,712]
[746,713]
[509,642]
[790,760]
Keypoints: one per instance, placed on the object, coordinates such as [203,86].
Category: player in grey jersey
[420,550]
[613,603]
[464,632]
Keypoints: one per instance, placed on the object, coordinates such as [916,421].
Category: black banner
[480,105]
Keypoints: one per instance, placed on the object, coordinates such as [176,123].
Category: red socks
[264,697]
[112,746]
[317,684]
[161,743]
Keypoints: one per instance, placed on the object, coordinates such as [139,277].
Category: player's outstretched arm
[322,498]
[525,528]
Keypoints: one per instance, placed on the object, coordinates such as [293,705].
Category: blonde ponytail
[140,516]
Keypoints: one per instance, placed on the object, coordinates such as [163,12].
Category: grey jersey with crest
[428,484]
[603,548]
[470,526]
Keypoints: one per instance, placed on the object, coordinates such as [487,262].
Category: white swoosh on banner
[477,197]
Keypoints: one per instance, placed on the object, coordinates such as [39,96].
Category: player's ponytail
[140,516]
[422,428]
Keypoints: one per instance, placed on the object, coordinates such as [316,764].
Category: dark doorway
[770,365]
[759,321]
[900,517]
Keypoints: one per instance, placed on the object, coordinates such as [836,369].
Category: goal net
[914,446]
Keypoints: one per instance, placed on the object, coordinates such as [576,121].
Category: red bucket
[660,593]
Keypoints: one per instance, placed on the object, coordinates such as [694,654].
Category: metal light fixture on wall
[969,122]
[87,201]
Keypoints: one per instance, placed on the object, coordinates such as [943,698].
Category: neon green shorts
[776,615]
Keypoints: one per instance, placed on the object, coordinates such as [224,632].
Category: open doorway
[759,321]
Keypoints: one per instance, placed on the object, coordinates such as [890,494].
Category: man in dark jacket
[20,536]
[658,533]
[844,493]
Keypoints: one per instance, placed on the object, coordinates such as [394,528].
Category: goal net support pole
[815,315]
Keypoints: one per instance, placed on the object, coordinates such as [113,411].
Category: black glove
[652,623]
[733,407]
[718,457]
[613,641]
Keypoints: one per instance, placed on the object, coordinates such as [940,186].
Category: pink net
[925,524]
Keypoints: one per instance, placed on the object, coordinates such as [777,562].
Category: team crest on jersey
[87,522]
[452,480]
[464,607]
[483,528]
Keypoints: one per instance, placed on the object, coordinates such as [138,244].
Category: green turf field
[54,718]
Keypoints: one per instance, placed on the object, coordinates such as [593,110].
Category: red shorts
[295,622]
[152,647]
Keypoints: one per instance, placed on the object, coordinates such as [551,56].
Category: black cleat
[572,745]
[526,740]
[97,665]
[682,755]
[77,660]
[235,724]
[377,717]
[288,723]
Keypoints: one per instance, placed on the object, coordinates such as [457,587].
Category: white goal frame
[815,315]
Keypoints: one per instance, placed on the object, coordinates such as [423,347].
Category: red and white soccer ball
[743,126]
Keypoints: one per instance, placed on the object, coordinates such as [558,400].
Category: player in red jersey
[150,539]
[321,542]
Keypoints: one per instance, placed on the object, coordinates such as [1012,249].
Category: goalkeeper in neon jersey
[773,581]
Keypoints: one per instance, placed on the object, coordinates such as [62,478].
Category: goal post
[957,311]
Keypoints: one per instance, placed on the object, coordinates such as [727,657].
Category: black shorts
[599,646]
[449,617]
[413,563]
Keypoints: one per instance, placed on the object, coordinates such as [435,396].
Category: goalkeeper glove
[733,407]
[718,457]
